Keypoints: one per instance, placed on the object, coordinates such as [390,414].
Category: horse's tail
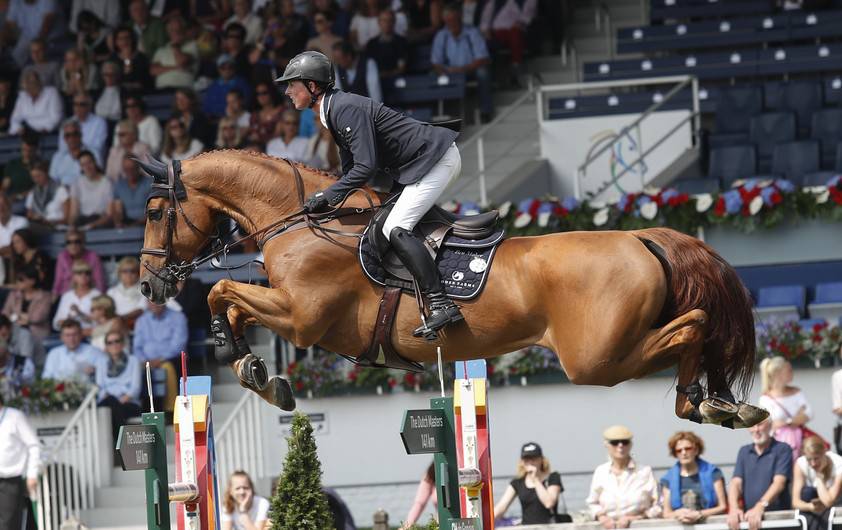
[701,279]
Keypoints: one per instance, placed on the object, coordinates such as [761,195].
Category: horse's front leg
[235,305]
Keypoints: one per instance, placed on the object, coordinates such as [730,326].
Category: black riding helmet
[309,66]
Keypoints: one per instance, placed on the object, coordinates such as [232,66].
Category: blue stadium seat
[735,107]
[785,302]
[801,97]
[828,302]
[792,160]
[827,129]
[833,90]
[838,166]
[680,9]
[818,178]
[732,163]
[766,131]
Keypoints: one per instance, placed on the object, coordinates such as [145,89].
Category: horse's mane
[264,156]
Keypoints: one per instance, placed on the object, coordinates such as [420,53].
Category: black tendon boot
[415,257]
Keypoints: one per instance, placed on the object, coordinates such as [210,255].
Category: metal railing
[604,23]
[570,56]
[71,473]
[239,441]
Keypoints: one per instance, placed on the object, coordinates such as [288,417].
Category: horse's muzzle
[157,290]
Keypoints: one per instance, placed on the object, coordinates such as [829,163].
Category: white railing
[71,473]
[605,24]
[239,442]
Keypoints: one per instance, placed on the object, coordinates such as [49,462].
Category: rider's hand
[316,203]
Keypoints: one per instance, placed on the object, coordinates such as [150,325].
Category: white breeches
[416,199]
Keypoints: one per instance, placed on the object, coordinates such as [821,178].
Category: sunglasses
[615,443]
[114,341]
[684,450]
[72,134]
[74,242]
[128,271]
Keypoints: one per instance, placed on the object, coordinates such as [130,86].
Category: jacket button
[387,169]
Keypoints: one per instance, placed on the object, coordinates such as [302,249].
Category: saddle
[463,247]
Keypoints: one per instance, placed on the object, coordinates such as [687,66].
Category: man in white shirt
[289,145]
[20,464]
[355,74]
[94,128]
[243,16]
[38,107]
[176,63]
[9,224]
[73,360]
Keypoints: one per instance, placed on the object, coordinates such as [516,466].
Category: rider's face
[299,94]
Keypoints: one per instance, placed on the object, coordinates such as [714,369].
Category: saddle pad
[463,265]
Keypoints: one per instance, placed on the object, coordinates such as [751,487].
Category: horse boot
[414,256]
[224,345]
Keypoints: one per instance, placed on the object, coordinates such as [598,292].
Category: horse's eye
[154,215]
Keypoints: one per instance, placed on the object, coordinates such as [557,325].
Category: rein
[172,272]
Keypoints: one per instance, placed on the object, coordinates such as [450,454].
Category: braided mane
[264,156]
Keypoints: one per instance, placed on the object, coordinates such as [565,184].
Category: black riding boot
[415,257]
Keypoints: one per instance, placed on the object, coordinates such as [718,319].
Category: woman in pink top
[426,493]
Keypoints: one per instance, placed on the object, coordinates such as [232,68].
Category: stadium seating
[827,129]
[784,302]
[793,160]
[828,302]
[801,97]
[697,186]
[766,131]
[679,9]
[732,163]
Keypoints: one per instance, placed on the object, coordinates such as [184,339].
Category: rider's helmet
[309,66]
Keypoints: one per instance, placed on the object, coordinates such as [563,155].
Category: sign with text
[463,524]
[317,419]
[423,431]
[136,446]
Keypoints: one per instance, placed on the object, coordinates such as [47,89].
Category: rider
[372,137]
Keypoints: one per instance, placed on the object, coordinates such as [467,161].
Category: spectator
[322,152]
[788,407]
[244,16]
[20,462]
[176,63]
[108,13]
[37,107]
[389,50]
[461,49]
[25,253]
[536,487]
[186,107]
[27,20]
[104,319]
[7,103]
[365,24]
[75,304]
[160,335]
[295,27]
[816,482]
[129,303]
[241,508]
[74,359]
[621,491]
[355,74]
[29,306]
[149,31]
[64,166]
[342,518]
[148,129]
[472,12]
[90,195]
[17,353]
[325,38]
[234,44]
[75,250]
[288,144]
[178,144]
[229,135]
[760,480]
[118,376]
[94,129]
[76,75]
[109,103]
[130,193]
[506,21]
[267,113]
[47,203]
[425,493]
[692,489]
[48,71]
[134,74]
[17,180]
[127,144]
[234,110]
[92,39]
[424,20]
[216,94]
[340,16]
[9,224]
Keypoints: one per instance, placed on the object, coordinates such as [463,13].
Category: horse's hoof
[252,373]
[749,415]
[241,347]
[277,392]
[715,410]
[223,340]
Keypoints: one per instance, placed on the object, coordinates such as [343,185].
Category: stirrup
[437,319]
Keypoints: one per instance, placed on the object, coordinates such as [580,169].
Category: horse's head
[176,229]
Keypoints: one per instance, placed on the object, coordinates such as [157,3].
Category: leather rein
[172,272]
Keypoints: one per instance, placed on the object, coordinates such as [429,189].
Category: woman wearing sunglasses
[118,376]
[693,488]
[621,490]
[536,487]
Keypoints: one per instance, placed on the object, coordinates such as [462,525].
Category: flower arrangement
[371,378]
[45,395]
[319,376]
[750,205]
[534,360]
[793,341]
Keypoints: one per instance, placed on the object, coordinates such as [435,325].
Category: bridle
[173,271]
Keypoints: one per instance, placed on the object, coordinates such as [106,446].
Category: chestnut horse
[602,301]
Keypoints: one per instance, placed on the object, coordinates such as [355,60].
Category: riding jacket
[374,138]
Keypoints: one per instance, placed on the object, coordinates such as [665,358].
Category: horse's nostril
[145,289]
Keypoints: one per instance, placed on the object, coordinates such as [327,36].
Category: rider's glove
[316,203]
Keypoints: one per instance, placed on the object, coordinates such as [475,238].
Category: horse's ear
[154,168]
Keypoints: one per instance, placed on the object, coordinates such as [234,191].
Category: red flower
[785,350]
[353,375]
[25,391]
[719,207]
[776,197]
[632,198]
[560,211]
[773,344]
[836,195]
[818,326]
[299,385]
[817,338]
[60,387]
[533,208]
[409,379]
[292,366]
[489,369]
[392,382]
[658,199]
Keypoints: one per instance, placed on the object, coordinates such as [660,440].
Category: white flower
[822,197]
[472,211]
[703,202]
[600,217]
[815,190]
[523,220]
[755,205]
[599,204]
[450,206]
[651,190]
[543,219]
[504,208]
[649,210]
